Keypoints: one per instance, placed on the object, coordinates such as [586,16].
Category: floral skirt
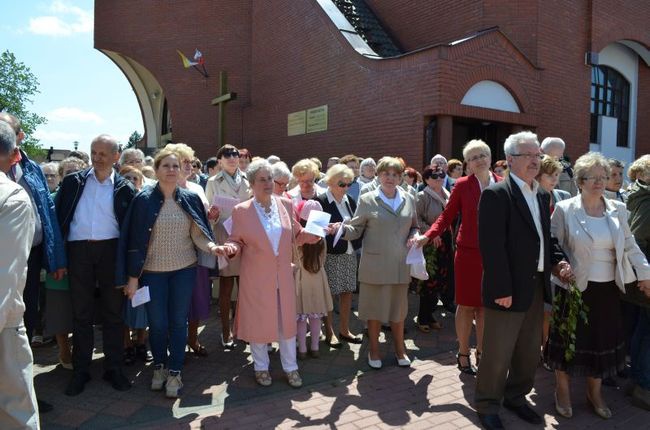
[341,272]
[600,344]
[439,260]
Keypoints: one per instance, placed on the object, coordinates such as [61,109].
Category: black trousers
[91,264]
[31,293]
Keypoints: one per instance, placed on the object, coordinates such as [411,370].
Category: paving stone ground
[340,391]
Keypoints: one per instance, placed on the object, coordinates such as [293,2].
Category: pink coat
[262,273]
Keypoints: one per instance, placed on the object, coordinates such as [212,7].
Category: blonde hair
[390,163]
[549,165]
[640,167]
[588,161]
[130,169]
[476,144]
[183,151]
[164,153]
[337,172]
[304,167]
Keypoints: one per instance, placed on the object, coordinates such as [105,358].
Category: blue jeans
[640,350]
[171,293]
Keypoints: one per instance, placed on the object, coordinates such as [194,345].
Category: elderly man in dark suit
[514,239]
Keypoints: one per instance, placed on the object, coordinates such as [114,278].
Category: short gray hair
[7,138]
[367,162]
[53,164]
[472,145]
[514,140]
[273,159]
[255,167]
[552,141]
[131,151]
[107,138]
[588,161]
[280,170]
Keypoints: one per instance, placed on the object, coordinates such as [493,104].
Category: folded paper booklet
[140,297]
[227,224]
[225,203]
[317,223]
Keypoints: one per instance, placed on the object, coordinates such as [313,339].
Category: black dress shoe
[43,406]
[77,383]
[490,421]
[351,339]
[525,412]
[117,379]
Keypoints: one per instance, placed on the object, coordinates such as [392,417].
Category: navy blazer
[138,223]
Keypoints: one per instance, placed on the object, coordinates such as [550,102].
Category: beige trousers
[18,407]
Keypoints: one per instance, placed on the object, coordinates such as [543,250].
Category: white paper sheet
[225,203]
[415,255]
[227,224]
[338,235]
[140,297]
[317,223]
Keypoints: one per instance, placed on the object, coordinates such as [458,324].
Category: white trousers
[260,352]
[18,407]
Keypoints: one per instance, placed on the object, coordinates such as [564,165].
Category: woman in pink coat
[264,232]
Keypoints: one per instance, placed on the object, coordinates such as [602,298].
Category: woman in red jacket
[468,265]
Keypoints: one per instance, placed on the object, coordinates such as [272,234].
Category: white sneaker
[159,377]
[174,384]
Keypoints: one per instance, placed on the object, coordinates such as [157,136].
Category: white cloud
[65,20]
[73,114]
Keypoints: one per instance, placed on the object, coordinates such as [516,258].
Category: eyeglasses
[594,179]
[281,184]
[537,156]
[440,175]
[230,154]
[345,184]
[187,161]
[196,166]
[477,157]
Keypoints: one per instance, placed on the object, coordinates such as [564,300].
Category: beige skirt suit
[383,273]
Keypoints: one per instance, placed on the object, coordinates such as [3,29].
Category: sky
[82,93]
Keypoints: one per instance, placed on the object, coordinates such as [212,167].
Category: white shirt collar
[331,199]
[111,178]
[523,185]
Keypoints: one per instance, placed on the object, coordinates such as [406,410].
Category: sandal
[335,345]
[468,369]
[424,328]
[198,350]
[263,378]
[294,379]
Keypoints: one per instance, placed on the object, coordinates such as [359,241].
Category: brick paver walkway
[340,391]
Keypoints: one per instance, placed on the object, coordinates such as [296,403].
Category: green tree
[133,140]
[18,85]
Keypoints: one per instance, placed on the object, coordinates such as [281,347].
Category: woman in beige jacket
[229,183]
[386,217]
[595,236]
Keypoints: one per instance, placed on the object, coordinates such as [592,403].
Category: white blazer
[569,226]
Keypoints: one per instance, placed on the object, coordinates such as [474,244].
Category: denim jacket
[135,233]
[53,249]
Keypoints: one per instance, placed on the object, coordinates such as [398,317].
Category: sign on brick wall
[296,123]
[317,119]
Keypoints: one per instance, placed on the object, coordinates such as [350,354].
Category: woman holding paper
[341,261]
[468,266]
[386,218]
[200,305]
[264,234]
[224,190]
[164,226]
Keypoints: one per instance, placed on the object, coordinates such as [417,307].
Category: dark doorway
[492,133]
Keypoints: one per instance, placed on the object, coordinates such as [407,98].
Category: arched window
[610,97]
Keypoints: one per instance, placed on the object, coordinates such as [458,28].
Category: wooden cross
[223,98]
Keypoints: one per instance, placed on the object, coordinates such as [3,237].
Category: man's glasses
[529,156]
[231,154]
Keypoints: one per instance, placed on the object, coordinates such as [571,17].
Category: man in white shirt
[18,407]
[91,205]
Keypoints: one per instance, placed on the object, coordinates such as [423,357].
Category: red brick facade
[284,56]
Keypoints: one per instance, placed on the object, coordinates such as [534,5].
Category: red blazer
[464,202]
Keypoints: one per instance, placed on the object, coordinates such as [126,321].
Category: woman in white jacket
[594,234]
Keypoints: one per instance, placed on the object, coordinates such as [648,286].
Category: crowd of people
[508,245]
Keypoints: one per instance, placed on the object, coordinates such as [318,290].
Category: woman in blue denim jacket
[165,234]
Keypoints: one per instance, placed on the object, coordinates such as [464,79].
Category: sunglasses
[231,154]
[440,175]
[345,184]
